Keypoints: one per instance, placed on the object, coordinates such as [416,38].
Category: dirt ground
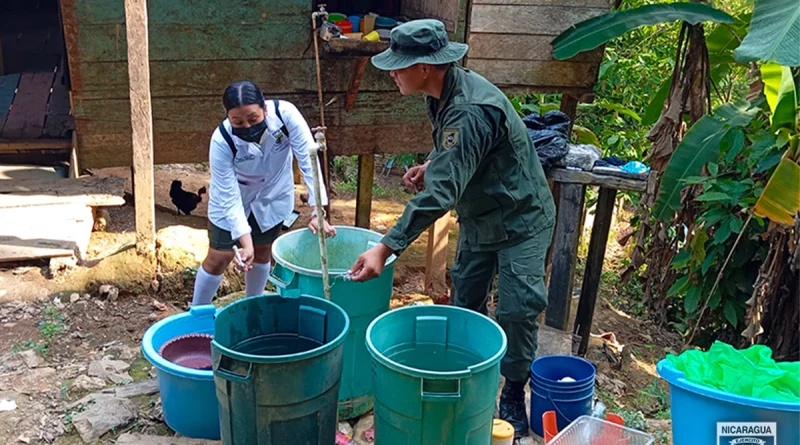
[56,325]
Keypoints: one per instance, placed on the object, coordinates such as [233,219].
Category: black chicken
[185,201]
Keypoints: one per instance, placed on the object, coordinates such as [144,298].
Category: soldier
[485,167]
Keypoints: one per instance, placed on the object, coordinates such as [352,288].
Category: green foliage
[781,95]
[774,33]
[596,31]
[52,322]
[729,191]
[653,400]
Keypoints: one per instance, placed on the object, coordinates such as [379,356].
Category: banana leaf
[781,95]
[656,105]
[780,200]
[774,34]
[585,136]
[699,146]
[590,34]
[610,106]
[724,39]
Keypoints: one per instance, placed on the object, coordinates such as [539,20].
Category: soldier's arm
[466,139]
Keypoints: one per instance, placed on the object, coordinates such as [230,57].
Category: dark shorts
[220,239]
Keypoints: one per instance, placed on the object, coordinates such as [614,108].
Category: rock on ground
[86,383]
[141,439]
[102,417]
[31,358]
[142,388]
[36,381]
[114,371]
[109,292]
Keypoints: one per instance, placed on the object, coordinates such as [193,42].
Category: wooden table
[569,188]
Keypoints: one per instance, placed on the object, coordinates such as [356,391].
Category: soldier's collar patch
[449,138]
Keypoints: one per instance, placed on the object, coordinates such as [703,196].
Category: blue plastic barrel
[188,397]
[569,400]
[695,410]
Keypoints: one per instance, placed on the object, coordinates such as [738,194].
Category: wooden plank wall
[510,44]
[196,49]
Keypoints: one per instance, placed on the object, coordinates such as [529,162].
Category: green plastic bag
[748,372]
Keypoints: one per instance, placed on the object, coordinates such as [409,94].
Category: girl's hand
[313,226]
[247,252]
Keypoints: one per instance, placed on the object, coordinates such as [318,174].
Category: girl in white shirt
[252,185]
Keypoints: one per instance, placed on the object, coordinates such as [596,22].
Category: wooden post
[436,258]
[141,124]
[565,247]
[355,82]
[594,266]
[366,175]
[569,106]
[74,170]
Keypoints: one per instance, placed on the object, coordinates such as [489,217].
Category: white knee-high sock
[205,287]
[255,279]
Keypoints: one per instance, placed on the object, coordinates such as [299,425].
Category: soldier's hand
[370,264]
[414,179]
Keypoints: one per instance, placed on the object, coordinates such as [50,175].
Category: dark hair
[239,94]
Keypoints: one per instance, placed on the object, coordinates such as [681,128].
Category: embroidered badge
[278,135]
[449,138]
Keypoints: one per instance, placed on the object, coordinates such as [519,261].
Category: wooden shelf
[588,178]
[352,47]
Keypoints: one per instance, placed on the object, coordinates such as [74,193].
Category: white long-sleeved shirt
[260,179]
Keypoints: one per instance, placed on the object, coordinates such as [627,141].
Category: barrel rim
[416,372]
[318,272]
[581,382]
[305,355]
[163,365]
[677,378]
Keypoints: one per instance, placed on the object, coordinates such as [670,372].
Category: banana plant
[774,34]
[780,200]
[592,33]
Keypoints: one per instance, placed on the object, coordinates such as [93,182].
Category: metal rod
[323,251]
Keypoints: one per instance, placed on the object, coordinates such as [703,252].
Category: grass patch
[653,399]
[140,368]
[52,324]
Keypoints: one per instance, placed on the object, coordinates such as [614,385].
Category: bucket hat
[419,41]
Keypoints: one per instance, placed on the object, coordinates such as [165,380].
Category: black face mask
[252,133]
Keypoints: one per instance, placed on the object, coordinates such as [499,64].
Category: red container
[346,25]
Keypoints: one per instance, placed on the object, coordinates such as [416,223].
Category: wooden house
[198,47]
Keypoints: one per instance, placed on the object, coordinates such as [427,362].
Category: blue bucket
[695,410]
[569,400]
[188,396]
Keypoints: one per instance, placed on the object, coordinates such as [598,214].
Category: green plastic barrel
[436,371]
[298,271]
[277,366]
